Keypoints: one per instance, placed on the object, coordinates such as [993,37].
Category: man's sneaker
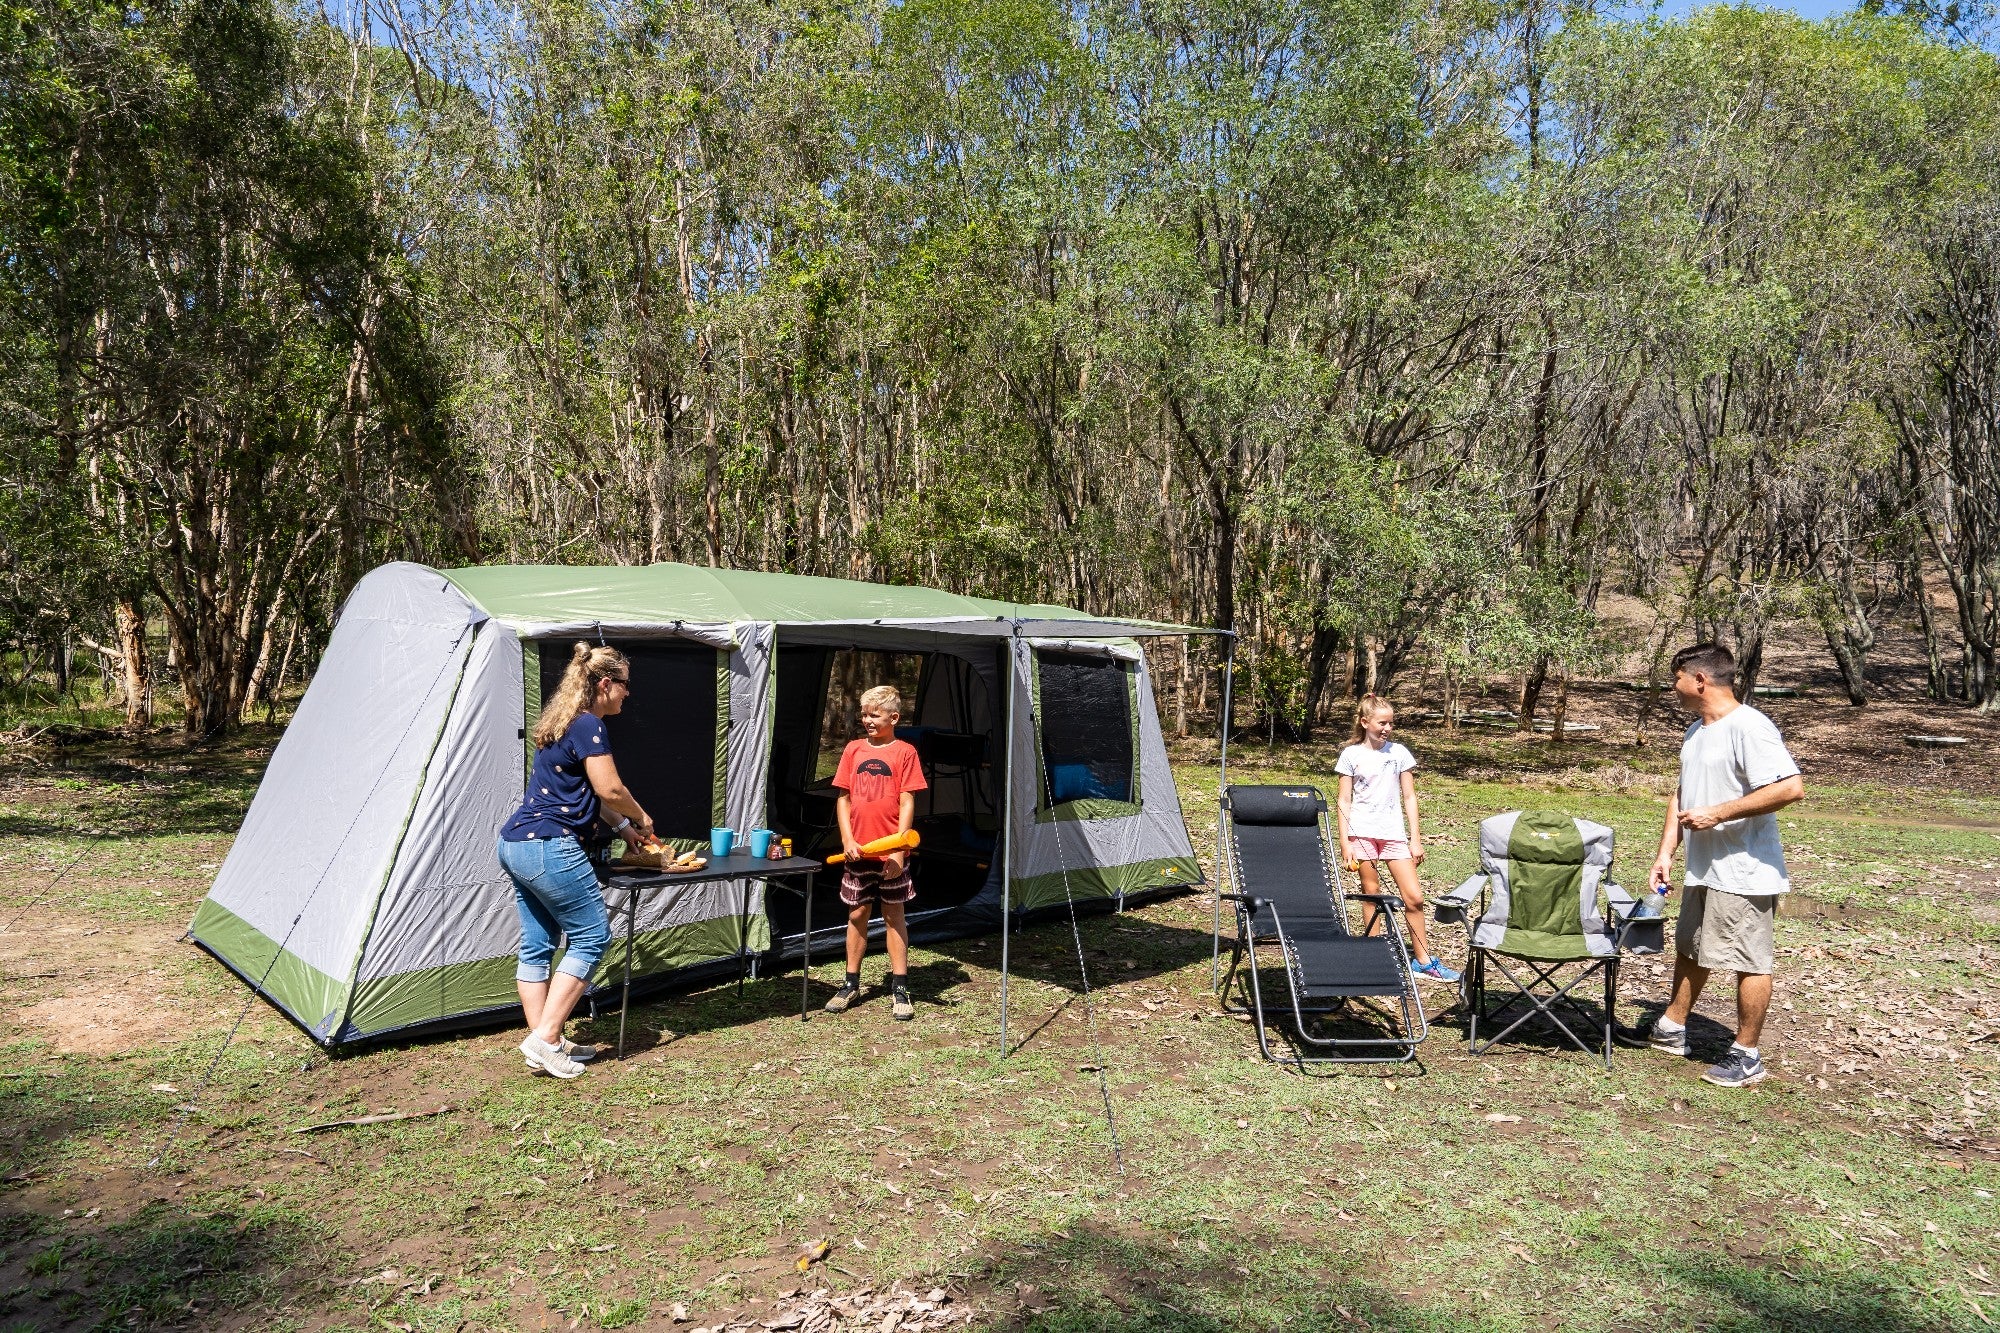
[549,1058]
[1674,1042]
[579,1053]
[900,1006]
[1435,970]
[837,1002]
[1739,1069]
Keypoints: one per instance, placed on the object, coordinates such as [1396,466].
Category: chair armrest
[1249,901]
[1451,907]
[1387,898]
[1469,889]
[1619,897]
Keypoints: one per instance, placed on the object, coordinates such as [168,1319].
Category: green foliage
[1372,330]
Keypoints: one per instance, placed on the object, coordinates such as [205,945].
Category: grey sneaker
[1739,1069]
[583,1055]
[548,1058]
[837,1002]
[1670,1043]
[900,1006]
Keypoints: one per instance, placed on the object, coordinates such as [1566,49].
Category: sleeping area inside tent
[363,895]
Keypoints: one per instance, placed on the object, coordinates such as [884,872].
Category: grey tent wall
[444,937]
[316,846]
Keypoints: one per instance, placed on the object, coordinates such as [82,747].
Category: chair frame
[1243,950]
[1547,994]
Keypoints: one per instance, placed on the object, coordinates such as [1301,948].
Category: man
[1735,775]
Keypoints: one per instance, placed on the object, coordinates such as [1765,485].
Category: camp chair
[1289,893]
[1535,904]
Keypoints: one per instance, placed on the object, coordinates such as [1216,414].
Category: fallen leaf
[1501,1118]
[812,1256]
[1522,1254]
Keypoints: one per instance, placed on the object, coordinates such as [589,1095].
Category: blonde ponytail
[1370,707]
[578,690]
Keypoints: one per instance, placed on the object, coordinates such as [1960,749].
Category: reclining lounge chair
[1536,906]
[1289,895]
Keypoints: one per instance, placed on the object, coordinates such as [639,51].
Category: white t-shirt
[1721,761]
[1377,810]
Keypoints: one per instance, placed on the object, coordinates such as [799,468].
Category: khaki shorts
[1725,931]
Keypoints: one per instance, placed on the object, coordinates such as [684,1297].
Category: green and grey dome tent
[362,896]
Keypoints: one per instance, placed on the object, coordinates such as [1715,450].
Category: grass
[1853,1191]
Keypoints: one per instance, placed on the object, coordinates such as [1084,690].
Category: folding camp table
[741,866]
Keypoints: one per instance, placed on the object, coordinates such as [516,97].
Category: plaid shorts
[864,883]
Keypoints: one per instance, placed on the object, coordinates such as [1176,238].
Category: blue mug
[721,840]
[760,843]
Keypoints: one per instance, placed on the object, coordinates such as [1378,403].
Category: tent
[362,896]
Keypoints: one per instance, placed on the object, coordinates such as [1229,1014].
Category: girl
[1376,787]
[555,887]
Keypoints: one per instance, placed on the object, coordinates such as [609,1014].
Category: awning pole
[1007,849]
[1221,786]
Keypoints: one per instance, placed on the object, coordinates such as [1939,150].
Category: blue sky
[1812,9]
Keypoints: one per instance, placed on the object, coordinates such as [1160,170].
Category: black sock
[854,981]
[899,981]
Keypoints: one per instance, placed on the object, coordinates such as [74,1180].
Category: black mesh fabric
[1282,859]
[1348,965]
[1086,716]
[664,737]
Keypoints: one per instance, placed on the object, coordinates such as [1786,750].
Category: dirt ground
[152,1174]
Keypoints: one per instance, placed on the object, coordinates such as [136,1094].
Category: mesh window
[664,737]
[1086,708]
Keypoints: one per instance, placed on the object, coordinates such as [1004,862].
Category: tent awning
[565,599]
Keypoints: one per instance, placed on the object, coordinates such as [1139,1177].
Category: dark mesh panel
[1086,710]
[1283,863]
[664,737]
[1333,963]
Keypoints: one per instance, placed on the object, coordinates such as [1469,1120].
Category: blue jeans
[557,894]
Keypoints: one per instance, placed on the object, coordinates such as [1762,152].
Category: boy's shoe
[900,1006]
[837,1002]
[1435,970]
[1739,1069]
[578,1053]
[549,1058]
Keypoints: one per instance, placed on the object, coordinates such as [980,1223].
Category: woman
[574,782]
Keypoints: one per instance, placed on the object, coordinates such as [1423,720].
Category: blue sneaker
[1435,970]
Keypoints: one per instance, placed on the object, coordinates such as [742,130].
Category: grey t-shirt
[1721,761]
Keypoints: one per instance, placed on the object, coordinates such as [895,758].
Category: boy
[876,778]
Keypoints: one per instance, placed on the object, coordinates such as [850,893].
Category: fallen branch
[372,1120]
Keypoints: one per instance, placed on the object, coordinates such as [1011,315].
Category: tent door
[948,715]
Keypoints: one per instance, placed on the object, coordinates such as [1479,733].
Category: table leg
[743,948]
[806,965]
[631,932]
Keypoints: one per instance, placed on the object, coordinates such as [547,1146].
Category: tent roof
[567,596]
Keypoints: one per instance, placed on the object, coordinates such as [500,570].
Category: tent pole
[1007,849]
[1221,786]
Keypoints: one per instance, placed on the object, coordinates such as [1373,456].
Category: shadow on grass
[136,788]
[162,1268]
[1092,1280]
[1117,948]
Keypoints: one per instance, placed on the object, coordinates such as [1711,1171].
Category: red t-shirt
[875,778]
